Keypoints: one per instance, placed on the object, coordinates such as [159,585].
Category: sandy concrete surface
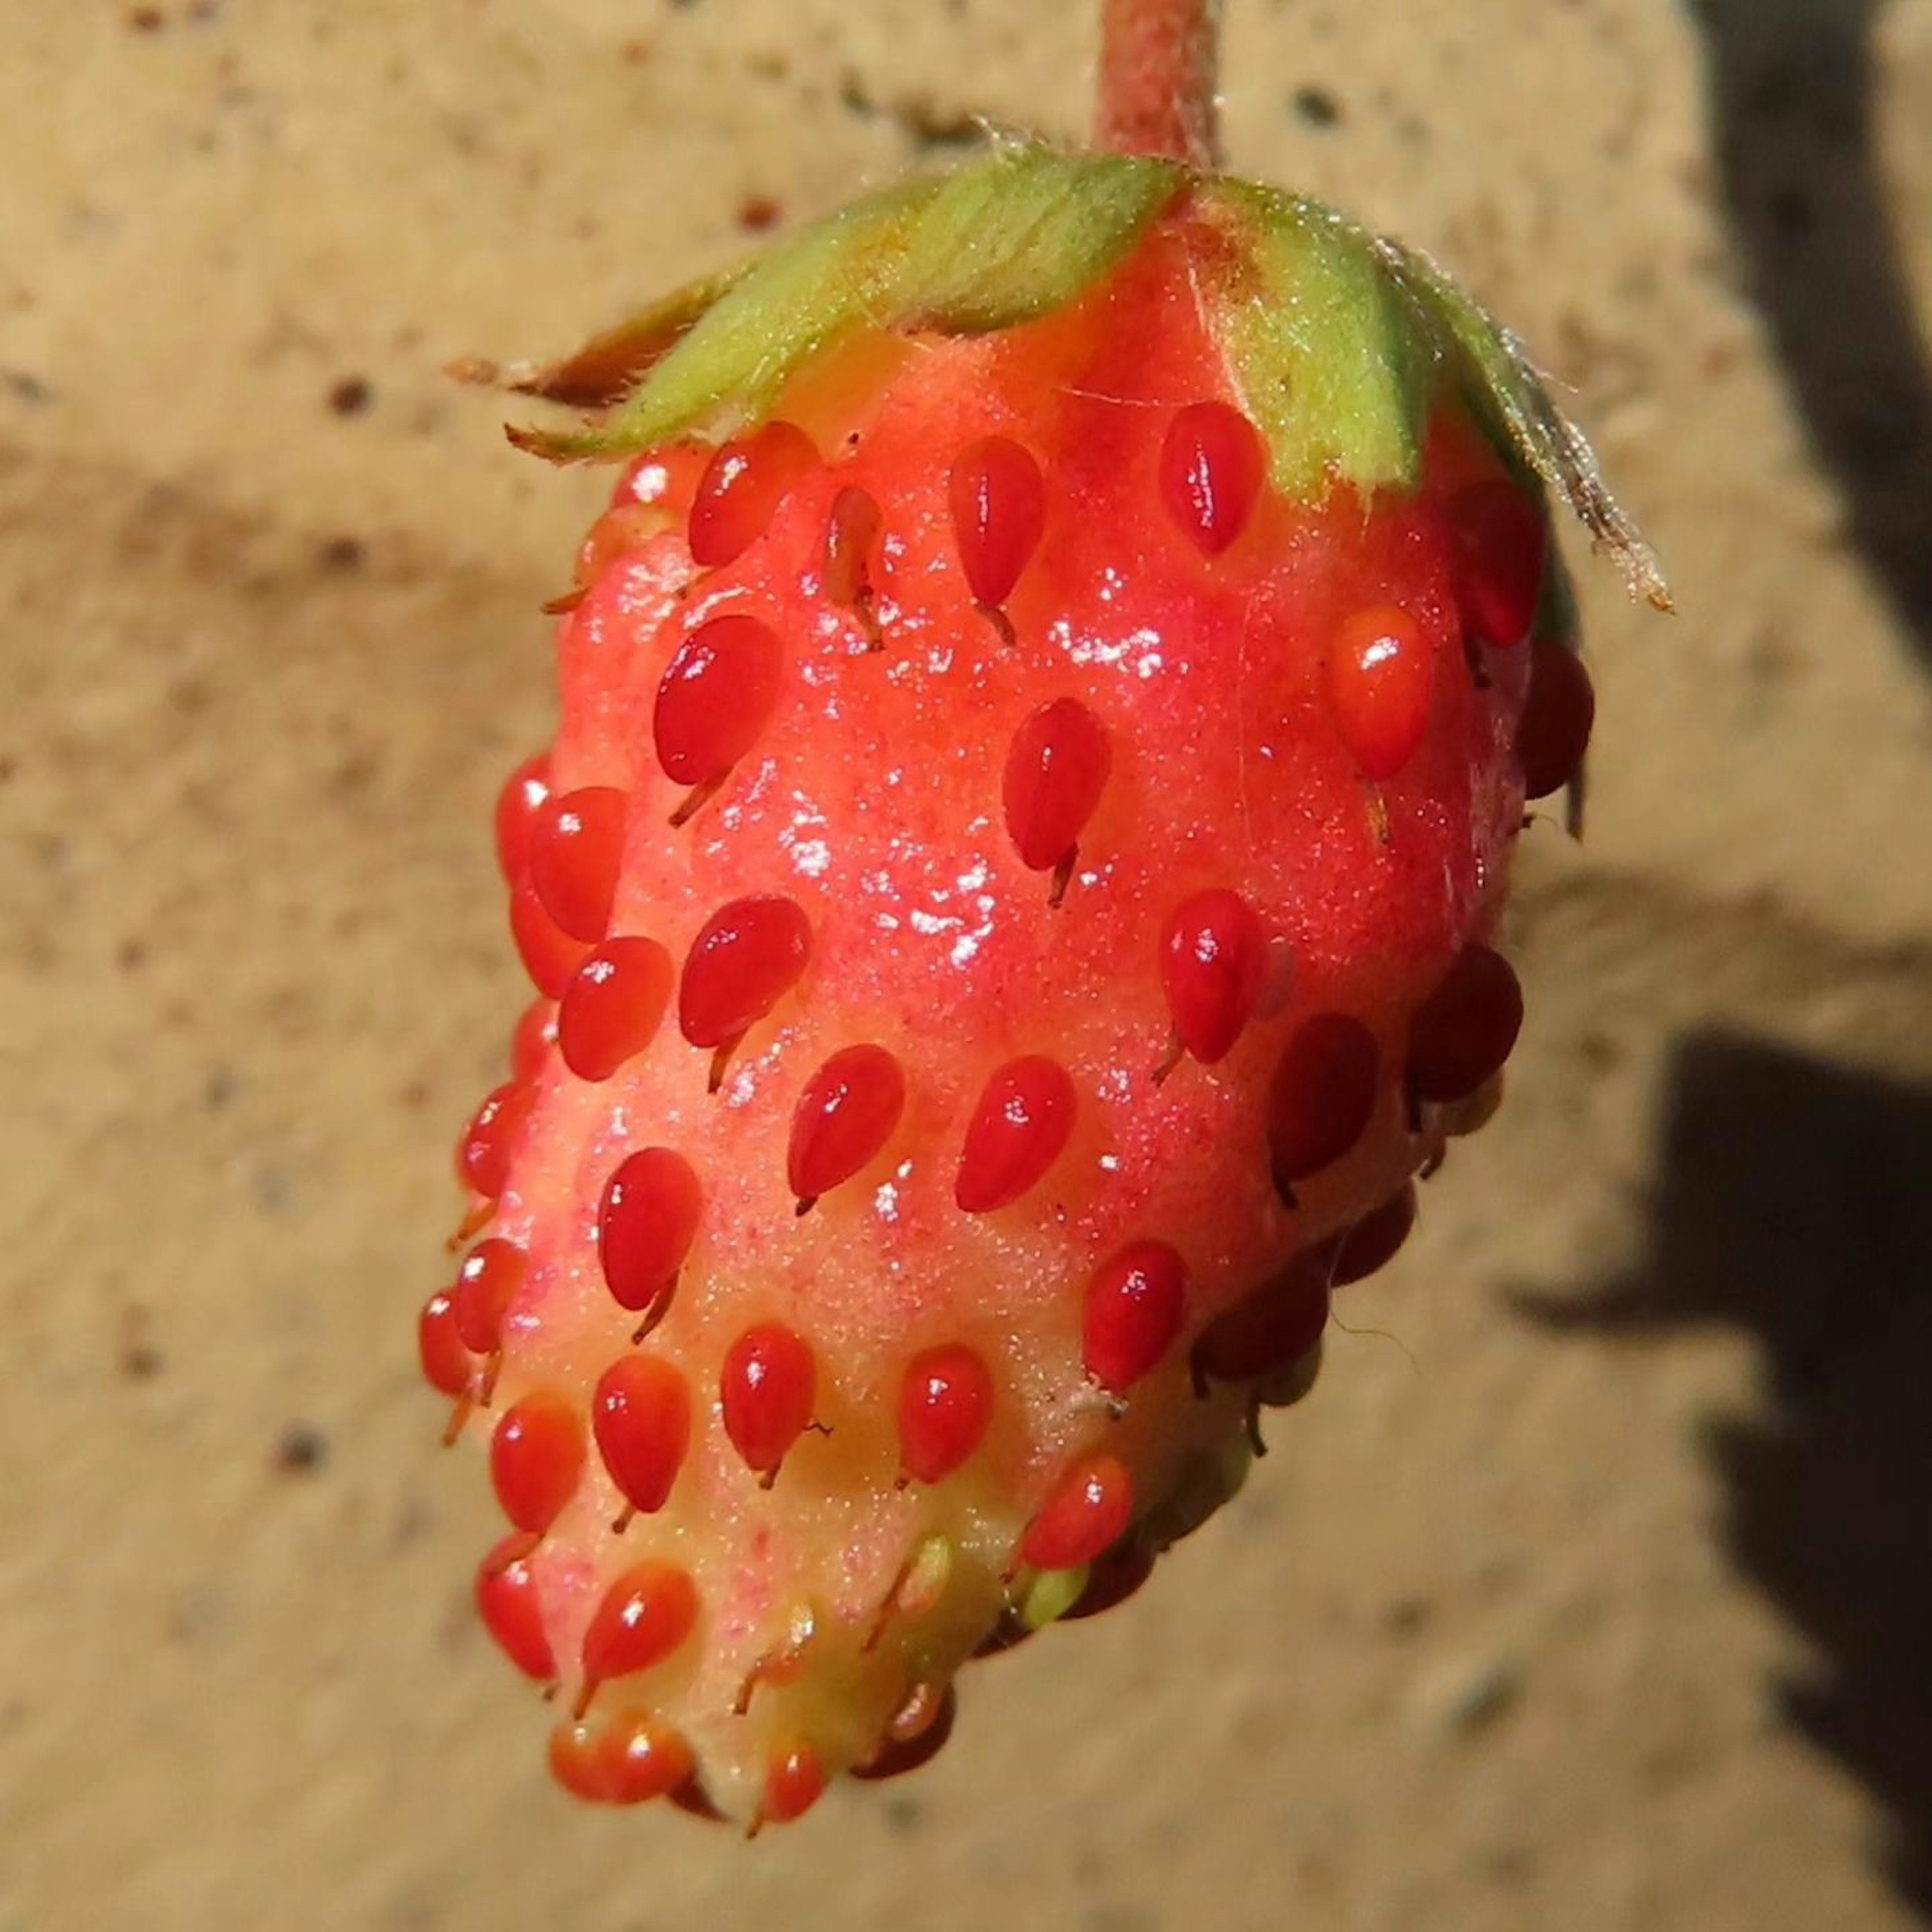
[1588,1593]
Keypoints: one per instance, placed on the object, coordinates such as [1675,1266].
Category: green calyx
[1340,343]
[992,245]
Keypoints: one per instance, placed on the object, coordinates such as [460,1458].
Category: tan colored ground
[1496,1639]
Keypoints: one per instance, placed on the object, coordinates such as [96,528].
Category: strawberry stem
[1159,60]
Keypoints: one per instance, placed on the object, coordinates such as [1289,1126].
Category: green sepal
[1341,343]
[993,245]
[1331,353]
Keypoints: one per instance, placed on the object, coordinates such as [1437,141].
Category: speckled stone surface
[1504,1633]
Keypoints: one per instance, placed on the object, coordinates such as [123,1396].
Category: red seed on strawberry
[508,1602]
[1270,1329]
[523,797]
[998,501]
[1214,961]
[792,1785]
[576,1762]
[767,1388]
[1554,731]
[851,531]
[1135,1306]
[642,1758]
[945,1406]
[549,955]
[715,703]
[1213,465]
[1501,541]
[896,1757]
[536,1459]
[483,1155]
[1322,1098]
[1374,1241]
[748,956]
[1088,1511]
[665,479]
[492,1275]
[741,491]
[577,844]
[1380,673]
[1019,1129]
[1463,1032]
[611,1010]
[447,1365]
[646,1224]
[622,528]
[535,1034]
[640,1415]
[843,1120]
[647,1613]
[1057,769]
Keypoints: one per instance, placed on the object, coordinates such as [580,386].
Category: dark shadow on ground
[1794,1201]
[1790,88]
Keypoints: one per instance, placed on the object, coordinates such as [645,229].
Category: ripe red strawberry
[1045,718]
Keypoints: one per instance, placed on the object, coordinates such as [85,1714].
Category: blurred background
[1592,1588]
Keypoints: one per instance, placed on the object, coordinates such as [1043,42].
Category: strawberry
[1045,716]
